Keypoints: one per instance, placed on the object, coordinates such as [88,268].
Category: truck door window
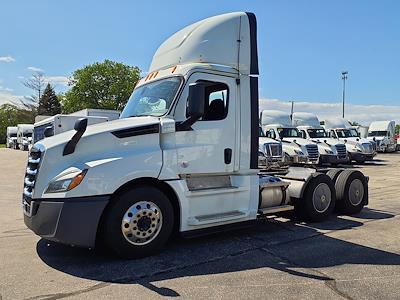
[216,104]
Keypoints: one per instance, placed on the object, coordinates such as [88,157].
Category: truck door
[209,147]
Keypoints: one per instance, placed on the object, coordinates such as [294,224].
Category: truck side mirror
[81,124]
[48,131]
[195,105]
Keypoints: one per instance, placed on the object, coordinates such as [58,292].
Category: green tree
[397,129]
[48,102]
[105,85]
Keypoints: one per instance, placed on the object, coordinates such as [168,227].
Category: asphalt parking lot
[345,257]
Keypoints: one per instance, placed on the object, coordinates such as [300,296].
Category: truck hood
[101,128]
[329,141]
[299,141]
[376,138]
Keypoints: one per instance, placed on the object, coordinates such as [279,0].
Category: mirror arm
[187,124]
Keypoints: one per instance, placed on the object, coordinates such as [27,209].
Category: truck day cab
[359,149]
[331,151]
[271,154]
[383,134]
[278,125]
[182,158]
[24,136]
[11,139]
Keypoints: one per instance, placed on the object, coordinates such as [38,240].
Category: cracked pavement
[354,257]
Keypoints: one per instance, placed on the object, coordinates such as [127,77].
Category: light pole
[344,77]
[291,111]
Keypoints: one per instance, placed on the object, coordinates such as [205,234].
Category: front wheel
[138,223]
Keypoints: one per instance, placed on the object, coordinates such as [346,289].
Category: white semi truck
[277,125]
[183,157]
[24,136]
[60,123]
[271,155]
[331,151]
[358,149]
[383,134]
[11,139]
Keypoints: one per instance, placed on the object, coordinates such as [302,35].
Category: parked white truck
[24,136]
[271,155]
[182,158]
[277,125]
[331,151]
[358,149]
[60,123]
[383,134]
[11,139]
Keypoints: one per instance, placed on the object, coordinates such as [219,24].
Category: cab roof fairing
[227,40]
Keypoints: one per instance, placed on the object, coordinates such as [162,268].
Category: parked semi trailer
[182,158]
[331,150]
[383,134]
[11,139]
[271,155]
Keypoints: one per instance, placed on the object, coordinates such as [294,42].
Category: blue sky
[303,45]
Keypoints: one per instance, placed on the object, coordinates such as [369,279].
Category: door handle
[227,155]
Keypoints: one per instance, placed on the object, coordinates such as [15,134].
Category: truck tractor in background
[11,139]
[271,156]
[182,158]
[331,151]
[277,125]
[358,149]
[24,136]
[383,134]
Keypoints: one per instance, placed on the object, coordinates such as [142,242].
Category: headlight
[298,152]
[64,185]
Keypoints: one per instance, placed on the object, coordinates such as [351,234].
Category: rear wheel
[333,174]
[318,199]
[138,223]
[351,191]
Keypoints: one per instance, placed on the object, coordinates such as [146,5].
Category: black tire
[114,238]
[351,201]
[333,174]
[360,161]
[305,207]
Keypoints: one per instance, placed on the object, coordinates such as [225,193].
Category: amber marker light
[77,180]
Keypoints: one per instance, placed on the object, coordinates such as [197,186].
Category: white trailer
[359,149]
[331,151]
[278,125]
[60,123]
[183,157]
[24,136]
[383,133]
[11,139]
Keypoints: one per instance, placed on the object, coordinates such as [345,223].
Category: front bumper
[333,159]
[72,221]
[359,156]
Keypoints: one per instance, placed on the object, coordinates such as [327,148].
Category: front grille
[312,150]
[32,169]
[273,150]
[367,147]
[341,150]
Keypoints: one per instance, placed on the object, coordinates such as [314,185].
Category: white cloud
[63,80]
[5,89]
[8,97]
[7,59]
[34,69]
[363,114]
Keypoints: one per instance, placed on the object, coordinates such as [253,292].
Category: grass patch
[2,145]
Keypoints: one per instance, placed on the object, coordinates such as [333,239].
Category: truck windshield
[317,133]
[13,135]
[288,132]
[29,134]
[345,133]
[377,133]
[153,99]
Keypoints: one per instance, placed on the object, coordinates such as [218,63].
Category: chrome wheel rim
[356,192]
[141,223]
[322,197]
